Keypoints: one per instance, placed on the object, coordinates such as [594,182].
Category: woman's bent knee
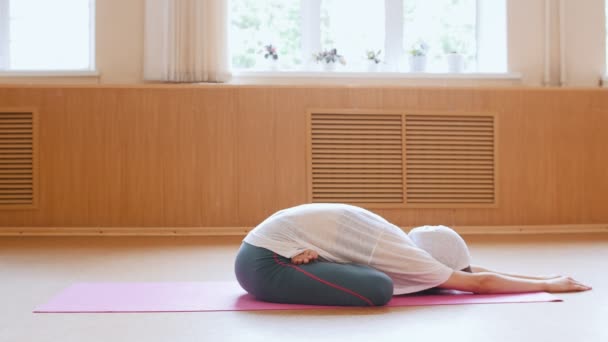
[250,267]
[382,291]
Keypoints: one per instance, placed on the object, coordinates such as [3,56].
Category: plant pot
[455,62]
[272,64]
[417,63]
[372,66]
[331,66]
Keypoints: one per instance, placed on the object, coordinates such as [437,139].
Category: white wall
[120,43]
[526,39]
[586,39]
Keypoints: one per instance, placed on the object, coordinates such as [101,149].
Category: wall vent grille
[402,159]
[356,158]
[450,159]
[17,159]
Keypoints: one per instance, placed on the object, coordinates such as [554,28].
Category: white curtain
[186,41]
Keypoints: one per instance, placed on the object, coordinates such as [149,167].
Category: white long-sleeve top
[348,234]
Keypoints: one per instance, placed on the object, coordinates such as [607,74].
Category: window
[476,29]
[446,26]
[362,29]
[42,35]
[258,23]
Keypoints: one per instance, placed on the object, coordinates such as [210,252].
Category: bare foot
[305,257]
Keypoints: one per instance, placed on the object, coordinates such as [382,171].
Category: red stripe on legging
[276,259]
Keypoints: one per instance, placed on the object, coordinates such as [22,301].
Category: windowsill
[381,78]
[376,75]
[57,73]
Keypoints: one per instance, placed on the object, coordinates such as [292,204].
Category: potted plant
[271,56]
[373,60]
[417,57]
[454,55]
[329,58]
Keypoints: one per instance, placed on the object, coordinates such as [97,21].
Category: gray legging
[273,278]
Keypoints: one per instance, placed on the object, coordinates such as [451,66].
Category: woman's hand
[305,257]
[565,284]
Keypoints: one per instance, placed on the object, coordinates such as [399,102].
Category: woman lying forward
[338,254]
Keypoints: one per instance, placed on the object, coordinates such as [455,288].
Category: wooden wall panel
[289,143]
[228,156]
[216,159]
[256,166]
[596,179]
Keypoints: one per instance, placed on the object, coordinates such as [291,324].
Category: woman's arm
[486,282]
[479,269]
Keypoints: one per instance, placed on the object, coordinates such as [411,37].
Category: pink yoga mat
[224,296]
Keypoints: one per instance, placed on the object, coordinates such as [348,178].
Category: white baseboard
[125,231]
[536,229]
[242,231]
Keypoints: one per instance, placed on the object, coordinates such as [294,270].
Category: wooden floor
[34,269]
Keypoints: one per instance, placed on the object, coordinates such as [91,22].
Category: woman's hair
[444,245]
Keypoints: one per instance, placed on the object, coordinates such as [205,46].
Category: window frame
[311,29]
[5,71]
[393,45]
[4,34]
